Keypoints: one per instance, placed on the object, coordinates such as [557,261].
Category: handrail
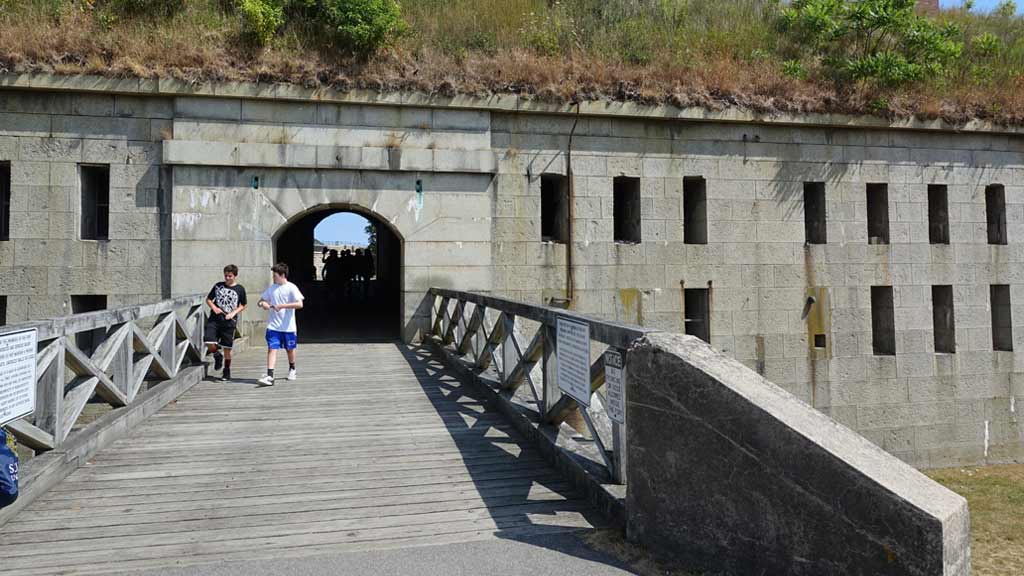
[126,356]
[462,324]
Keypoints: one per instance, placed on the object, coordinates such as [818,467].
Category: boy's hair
[231,269]
[280,268]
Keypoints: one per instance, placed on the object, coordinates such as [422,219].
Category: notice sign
[574,359]
[615,379]
[17,375]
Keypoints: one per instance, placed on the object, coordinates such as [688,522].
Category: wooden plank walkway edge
[555,443]
[47,470]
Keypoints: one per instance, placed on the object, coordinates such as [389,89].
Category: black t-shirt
[227,298]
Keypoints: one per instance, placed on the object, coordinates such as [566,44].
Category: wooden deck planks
[374,447]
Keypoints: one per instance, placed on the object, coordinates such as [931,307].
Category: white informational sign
[615,379]
[17,375]
[574,359]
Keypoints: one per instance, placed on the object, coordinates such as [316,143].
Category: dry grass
[995,495]
[714,55]
[641,561]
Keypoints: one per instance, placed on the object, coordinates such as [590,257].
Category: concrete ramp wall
[730,473]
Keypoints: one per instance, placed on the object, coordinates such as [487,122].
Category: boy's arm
[235,312]
[211,304]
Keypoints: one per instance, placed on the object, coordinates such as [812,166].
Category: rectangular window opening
[883,321]
[1002,318]
[995,212]
[820,341]
[938,214]
[554,208]
[3,310]
[878,213]
[80,304]
[814,213]
[944,321]
[695,210]
[626,209]
[5,201]
[698,313]
[95,181]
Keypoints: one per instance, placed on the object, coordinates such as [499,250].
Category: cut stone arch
[353,307]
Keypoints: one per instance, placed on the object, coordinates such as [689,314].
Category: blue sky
[342,228]
[980,5]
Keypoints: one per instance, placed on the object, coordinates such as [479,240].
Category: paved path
[373,449]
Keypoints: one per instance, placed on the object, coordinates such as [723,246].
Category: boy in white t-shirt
[282,299]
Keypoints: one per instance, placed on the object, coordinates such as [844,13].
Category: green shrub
[879,41]
[261,19]
[160,8]
[364,26]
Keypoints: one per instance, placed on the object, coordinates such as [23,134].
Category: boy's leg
[226,375]
[273,343]
[291,342]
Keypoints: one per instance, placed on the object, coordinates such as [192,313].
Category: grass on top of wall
[705,53]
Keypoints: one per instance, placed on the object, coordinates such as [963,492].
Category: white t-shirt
[277,294]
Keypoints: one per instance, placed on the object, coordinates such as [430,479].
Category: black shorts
[220,332]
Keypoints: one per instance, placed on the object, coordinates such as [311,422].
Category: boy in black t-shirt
[226,301]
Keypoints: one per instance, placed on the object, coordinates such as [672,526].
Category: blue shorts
[281,340]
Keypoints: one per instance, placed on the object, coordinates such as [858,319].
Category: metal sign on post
[17,375]
[615,379]
[574,359]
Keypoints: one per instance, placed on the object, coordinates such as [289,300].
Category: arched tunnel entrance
[348,297]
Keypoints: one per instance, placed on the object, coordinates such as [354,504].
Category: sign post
[574,359]
[614,377]
[17,375]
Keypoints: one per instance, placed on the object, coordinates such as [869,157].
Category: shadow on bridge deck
[374,449]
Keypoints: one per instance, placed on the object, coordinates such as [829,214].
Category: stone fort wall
[182,203]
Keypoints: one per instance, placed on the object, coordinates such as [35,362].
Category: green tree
[878,41]
[371,237]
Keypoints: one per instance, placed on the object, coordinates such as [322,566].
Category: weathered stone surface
[730,473]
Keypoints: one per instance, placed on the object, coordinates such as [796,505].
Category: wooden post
[550,392]
[509,358]
[123,367]
[50,396]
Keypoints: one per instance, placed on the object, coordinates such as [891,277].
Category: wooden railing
[517,343]
[129,347]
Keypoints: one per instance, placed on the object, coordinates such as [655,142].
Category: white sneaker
[291,374]
[267,380]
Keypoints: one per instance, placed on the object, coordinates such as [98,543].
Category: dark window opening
[995,211]
[878,213]
[1002,318]
[883,321]
[5,201]
[819,340]
[938,214]
[814,213]
[627,209]
[95,202]
[942,314]
[695,210]
[698,313]
[3,310]
[554,208]
[80,304]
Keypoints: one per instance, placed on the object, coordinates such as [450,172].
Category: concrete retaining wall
[731,473]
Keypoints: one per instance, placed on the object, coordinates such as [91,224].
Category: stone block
[28,125]
[143,107]
[830,498]
[51,149]
[100,127]
[212,108]
[286,112]
[468,120]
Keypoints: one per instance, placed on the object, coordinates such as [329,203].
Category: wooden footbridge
[375,446]
[139,462]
